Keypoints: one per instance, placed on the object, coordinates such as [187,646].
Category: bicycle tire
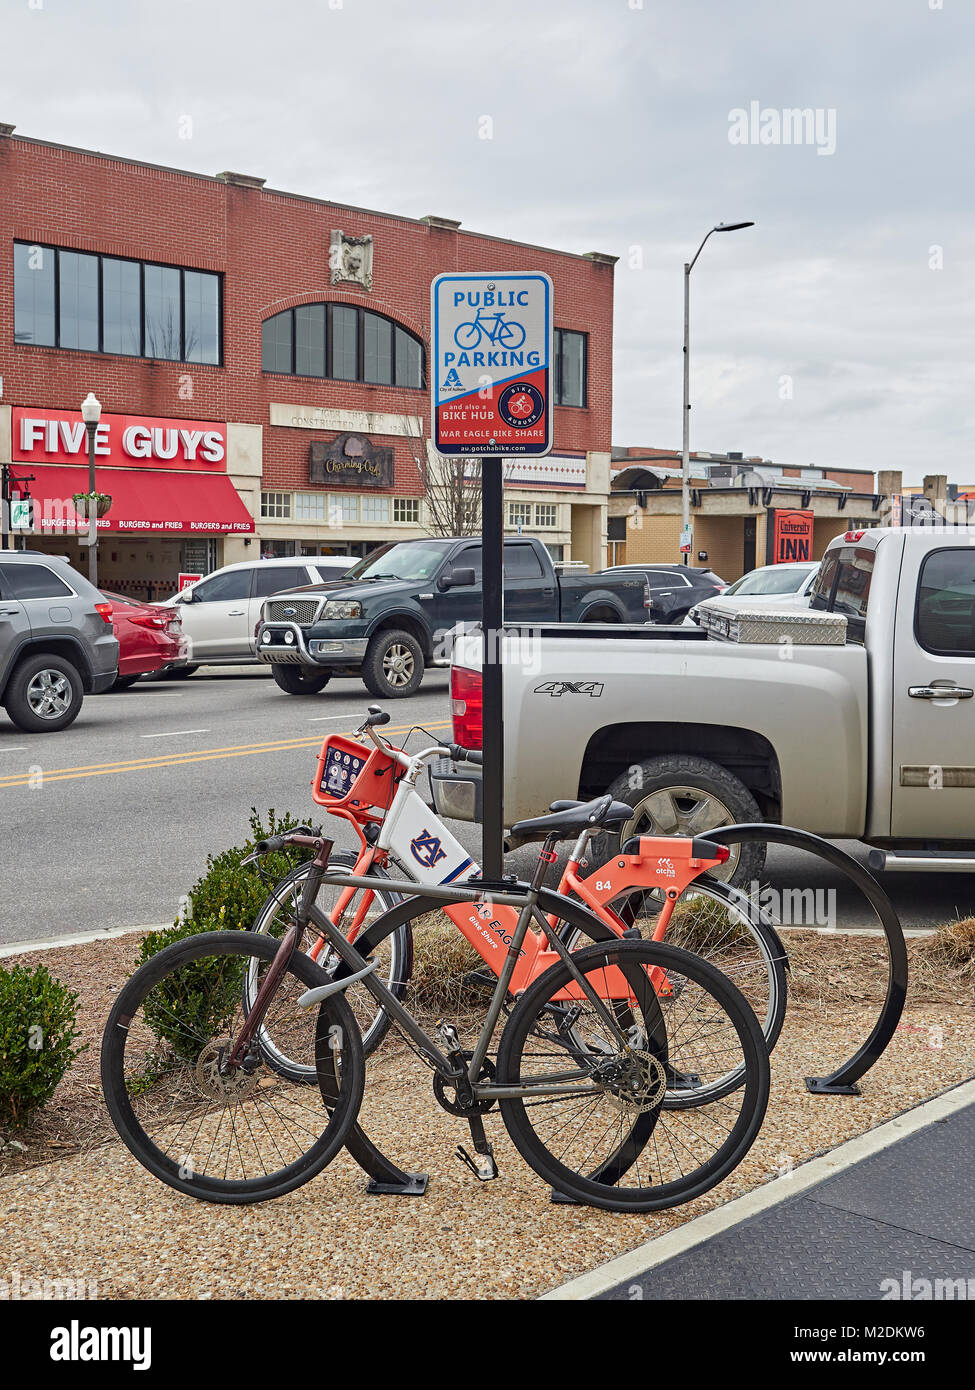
[634,958]
[344,1088]
[400,960]
[769,952]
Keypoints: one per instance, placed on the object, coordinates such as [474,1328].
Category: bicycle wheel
[612,1142]
[725,927]
[468,335]
[240,1135]
[395,956]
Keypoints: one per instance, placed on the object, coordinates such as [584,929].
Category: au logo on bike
[490,380]
[426,849]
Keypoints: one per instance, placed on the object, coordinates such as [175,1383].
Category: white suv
[221,611]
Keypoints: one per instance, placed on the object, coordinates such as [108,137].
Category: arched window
[342,341]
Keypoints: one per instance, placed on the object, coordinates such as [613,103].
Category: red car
[150,638]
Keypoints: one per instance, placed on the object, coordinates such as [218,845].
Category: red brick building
[227,328]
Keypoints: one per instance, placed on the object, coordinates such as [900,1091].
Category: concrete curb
[23,948]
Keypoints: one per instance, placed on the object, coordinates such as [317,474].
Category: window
[276,336]
[34,294]
[519,514]
[944,621]
[78,300]
[310,340]
[92,303]
[163,333]
[201,317]
[342,341]
[271,579]
[310,506]
[570,367]
[409,360]
[842,585]
[121,315]
[375,508]
[342,508]
[345,340]
[32,581]
[276,505]
[521,562]
[378,366]
[468,559]
[406,509]
[224,588]
[546,515]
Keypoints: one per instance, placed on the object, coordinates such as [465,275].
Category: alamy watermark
[792,125]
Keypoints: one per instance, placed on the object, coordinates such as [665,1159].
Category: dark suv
[56,641]
[674,589]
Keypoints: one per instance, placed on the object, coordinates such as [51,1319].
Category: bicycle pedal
[483,1167]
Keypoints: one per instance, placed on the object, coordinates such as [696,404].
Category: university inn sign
[349,460]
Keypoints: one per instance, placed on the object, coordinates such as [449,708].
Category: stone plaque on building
[350,260]
[349,460]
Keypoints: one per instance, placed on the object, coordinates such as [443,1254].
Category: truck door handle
[940,692]
[9,612]
[235,613]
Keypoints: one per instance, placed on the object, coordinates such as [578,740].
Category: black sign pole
[492,600]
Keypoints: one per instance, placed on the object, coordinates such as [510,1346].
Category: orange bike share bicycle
[654,889]
[629,1074]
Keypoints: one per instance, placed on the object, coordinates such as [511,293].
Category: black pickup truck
[387,618]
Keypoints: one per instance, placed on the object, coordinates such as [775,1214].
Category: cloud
[610,128]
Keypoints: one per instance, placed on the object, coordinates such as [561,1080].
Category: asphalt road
[108,824]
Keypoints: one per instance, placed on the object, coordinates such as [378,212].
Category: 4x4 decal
[556,688]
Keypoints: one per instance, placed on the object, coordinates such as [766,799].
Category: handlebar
[466,755]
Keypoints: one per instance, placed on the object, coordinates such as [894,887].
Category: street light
[685,467]
[91,413]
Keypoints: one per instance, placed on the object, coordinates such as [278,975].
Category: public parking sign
[491,363]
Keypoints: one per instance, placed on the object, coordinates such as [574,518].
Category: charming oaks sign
[350,460]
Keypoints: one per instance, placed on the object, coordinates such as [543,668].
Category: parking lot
[110,822]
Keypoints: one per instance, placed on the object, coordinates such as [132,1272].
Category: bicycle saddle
[570,818]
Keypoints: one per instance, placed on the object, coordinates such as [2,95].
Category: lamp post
[685,467]
[91,413]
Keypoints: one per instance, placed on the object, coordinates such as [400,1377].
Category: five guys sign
[121,441]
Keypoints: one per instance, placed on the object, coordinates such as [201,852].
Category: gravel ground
[98,1215]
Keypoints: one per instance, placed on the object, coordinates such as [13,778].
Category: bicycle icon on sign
[498,331]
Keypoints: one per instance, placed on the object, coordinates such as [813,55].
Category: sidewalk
[885,1216]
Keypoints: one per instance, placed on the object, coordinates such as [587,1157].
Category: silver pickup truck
[855,720]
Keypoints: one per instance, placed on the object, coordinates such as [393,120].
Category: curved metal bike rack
[841,1082]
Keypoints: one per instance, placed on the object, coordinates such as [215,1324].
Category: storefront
[172,501]
[248,343]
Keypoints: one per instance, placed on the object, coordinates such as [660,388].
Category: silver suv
[56,641]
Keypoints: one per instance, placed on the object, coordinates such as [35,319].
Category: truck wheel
[682,795]
[298,682]
[393,665]
[44,694]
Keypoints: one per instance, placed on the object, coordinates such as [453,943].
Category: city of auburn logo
[426,849]
[452,381]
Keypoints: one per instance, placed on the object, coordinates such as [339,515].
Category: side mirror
[456,579]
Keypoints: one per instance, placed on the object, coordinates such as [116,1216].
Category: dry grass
[442,959]
[948,955]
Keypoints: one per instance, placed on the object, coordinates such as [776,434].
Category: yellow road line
[203,755]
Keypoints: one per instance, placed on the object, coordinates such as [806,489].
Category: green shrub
[37,1030]
[198,1001]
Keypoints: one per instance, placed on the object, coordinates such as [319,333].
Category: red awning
[144,500]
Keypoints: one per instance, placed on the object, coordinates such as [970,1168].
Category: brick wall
[272,249]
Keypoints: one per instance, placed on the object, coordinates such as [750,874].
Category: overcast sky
[823,335]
